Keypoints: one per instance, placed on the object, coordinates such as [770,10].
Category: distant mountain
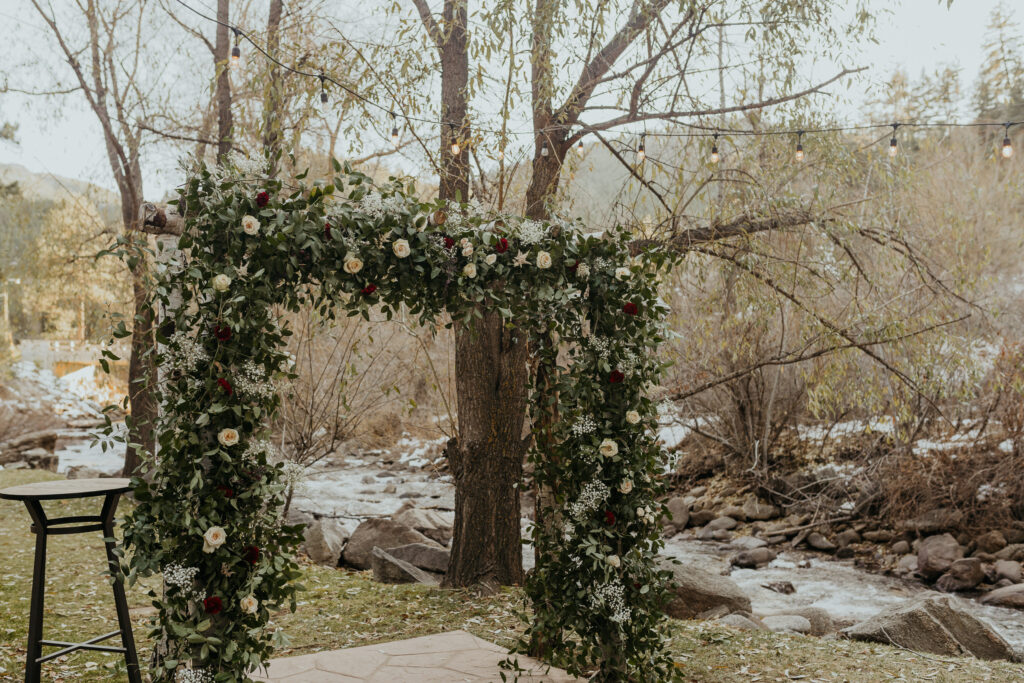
[53,187]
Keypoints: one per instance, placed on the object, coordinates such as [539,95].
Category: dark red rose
[222,332]
[501,246]
[252,554]
[225,385]
[213,605]
[327,231]
[609,517]
[616,377]
[636,584]
[449,242]
[368,289]
[226,490]
[261,199]
[630,308]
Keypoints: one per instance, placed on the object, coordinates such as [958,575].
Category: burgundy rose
[630,308]
[222,332]
[226,490]
[368,289]
[225,385]
[449,242]
[616,376]
[213,605]
[261,199]
[501,246]
[252,554]
[609,517]
[327,231]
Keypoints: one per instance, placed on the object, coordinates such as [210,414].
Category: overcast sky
[919,34]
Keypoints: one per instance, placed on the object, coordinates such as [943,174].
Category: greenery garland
[210,501]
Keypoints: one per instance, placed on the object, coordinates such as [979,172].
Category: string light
[456,149]
[394,129]
[715,158]
[641,153]
[501,155]
[893,145]
[579,149]
[544,149]
[323,90]
[1007,145]
[799,146]
[236,50]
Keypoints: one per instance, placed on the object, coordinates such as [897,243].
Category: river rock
[901,547]
[787,623]
[1007,569]
[427,557]
[1014,551]
[934,521]
[936,624]
[324,539]
[701,517]
[12,450]
[783,587]
[752,559]
[991,542]
[1010,596]
[694,591]
[820,620]
[748,543]
[431,523]
[383,533]
[678,513]
[936,554]
[878,536]
[907,564]
[847,537]
[741,623]
[734,511]
[722,523]
[963,574]
[83,472]
[390,569]
[819,542]
[756,510]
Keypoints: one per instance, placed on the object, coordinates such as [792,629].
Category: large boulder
[936,624]
[964,574]
[753,558]
[694,592]
[820,620]
[382,533]
[678,513]
[427,557]
[431,523]
[12,450]
[389,569]
[324,539]
[936,554]
[934,521]
[1008,596]
[1007,569]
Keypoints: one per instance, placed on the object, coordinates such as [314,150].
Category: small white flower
[249,604]
[583,271]
[491,258]
[626,486]
[214,538]
[469,270]
[401,248]
[250,225]
[519,260]
[613,560]
[228,437]
[220,282]
[608,448]
[633,417]
[543,260]
[621,273]
[353,264]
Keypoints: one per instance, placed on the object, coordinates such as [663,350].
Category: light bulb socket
[323,97]
[394,133]
[236,52]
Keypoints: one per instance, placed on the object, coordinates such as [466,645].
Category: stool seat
[69,488]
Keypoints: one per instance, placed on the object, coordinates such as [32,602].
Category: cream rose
[543,260]
[467,250]
[626,486]
[469,270]
[213,539]
[220,282]
[583,271]
[613,560]
[250,225]
[249,604]
[640,512]
[491,258]
[353,264]
[633,417]
[228,437]
[621,273]
[401,248]
[608,448]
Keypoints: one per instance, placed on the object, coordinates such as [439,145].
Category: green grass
[347,609]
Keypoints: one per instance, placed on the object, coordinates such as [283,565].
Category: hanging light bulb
[501,155]
[641,153]
[579,149]
[544,149]
[323,90]
[799,146]
[893,144]
[1007,151]
[715,158]
[394,129]
[236,51]
[456,149]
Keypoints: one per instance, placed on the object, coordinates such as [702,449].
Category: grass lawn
[344,609]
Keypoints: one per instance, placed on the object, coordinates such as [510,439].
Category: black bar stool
[31,495]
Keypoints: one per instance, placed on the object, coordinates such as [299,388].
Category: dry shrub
[1005,387]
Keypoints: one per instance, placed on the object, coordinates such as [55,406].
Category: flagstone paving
[453,657]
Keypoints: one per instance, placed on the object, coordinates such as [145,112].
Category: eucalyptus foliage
[210,501]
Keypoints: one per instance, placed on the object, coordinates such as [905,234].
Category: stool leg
[124,621]
[33,667]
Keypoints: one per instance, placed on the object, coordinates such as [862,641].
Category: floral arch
[209,508]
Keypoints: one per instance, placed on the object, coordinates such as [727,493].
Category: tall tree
[272,104]
[221,57]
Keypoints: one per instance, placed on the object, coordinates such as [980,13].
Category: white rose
[613,560]
[543,260]
[228,437]
[608,448]
[582,271]
[249,604]
[640,512]
[220,282]
[353,264]
[621,273]
[469,270]
[633,417]
[213,539]
[250,225]
[467,250]
[491,258]
[401,248]
[464,241]
[626,486]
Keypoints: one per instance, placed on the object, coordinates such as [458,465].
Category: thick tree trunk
[487,457]
[272,105]
[454,181]
[221,54]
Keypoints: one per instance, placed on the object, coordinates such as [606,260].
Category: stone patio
[451,657]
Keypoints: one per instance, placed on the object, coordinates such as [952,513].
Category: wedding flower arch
[209,506]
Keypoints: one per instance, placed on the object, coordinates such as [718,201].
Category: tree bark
[272,105]
[221,54]
[454,49]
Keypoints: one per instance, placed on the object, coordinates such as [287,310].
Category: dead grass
[347,609]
